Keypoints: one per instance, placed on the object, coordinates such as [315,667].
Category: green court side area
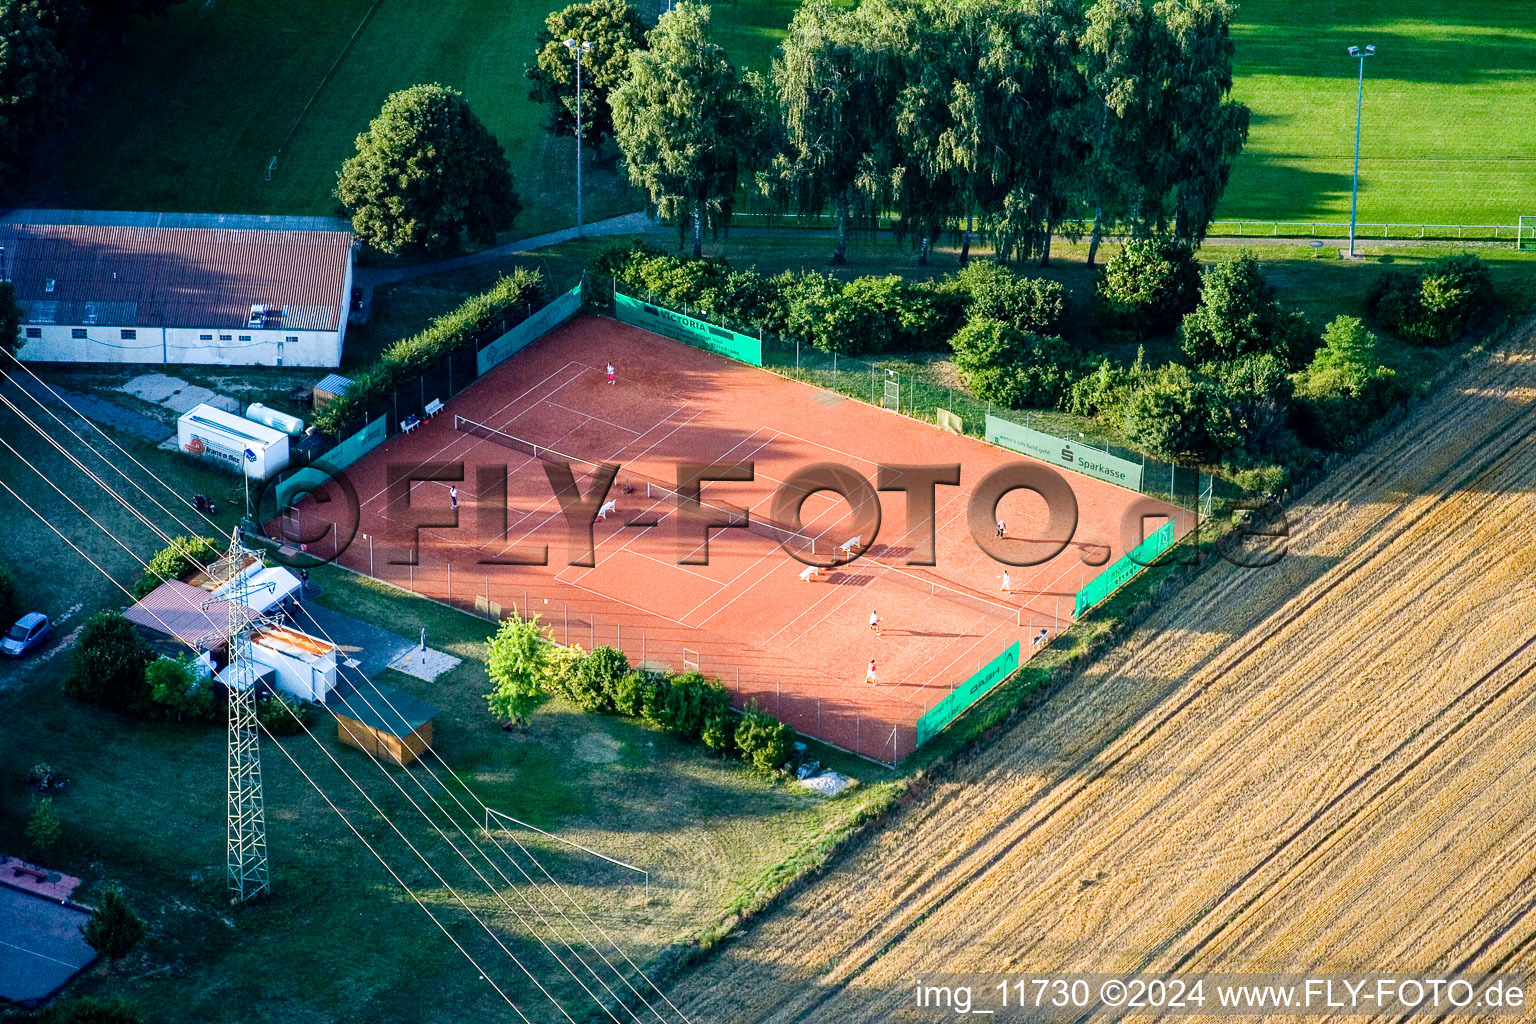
[1449,100]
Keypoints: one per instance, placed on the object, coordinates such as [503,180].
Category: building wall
[172,345]
[297,676]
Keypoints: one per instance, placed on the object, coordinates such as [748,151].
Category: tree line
[1018,118]
[1014,119]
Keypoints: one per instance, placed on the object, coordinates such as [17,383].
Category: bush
[1436,306]
[1167,415]
[175,561]
[175,691]
[595,678]
[113,928]
[764,741]
[517,660]
[1238,315]
[10,599]
[477,320]
[1248,406]
[1104,391]
[285,716]
[629,692]
[1030,304]
[43,826]
[1146,287]
[109,661]
[1343,388]
[90,1010]
[1011,367]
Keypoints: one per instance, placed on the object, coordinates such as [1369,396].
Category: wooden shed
[388,723]
[328,390]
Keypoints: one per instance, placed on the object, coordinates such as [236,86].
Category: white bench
[434,407]
[409,424]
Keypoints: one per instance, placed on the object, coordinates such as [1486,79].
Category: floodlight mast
[1354,191]
[578,48]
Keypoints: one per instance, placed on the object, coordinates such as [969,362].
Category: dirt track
[1321,765]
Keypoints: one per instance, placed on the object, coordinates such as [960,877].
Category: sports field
[189,115]
[799,647]
[1321,766]
[1449,96]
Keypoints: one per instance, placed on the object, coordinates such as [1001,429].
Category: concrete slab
[176,394]
[424,663]
[371,647]
[153,387]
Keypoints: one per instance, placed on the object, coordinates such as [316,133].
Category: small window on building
[77,332]
[226,337]
[245,337]
[128,334]
[205,337]
[34,332]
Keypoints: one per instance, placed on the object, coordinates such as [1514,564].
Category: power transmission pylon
[246,853]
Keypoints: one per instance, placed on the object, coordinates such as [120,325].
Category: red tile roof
[131,275]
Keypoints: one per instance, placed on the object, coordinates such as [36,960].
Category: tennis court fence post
[449,566]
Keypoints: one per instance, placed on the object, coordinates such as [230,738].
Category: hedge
[478,320]
[174,562]
[686,704]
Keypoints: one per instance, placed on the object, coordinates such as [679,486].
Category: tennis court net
[517,444]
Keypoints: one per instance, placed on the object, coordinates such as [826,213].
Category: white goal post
[1525,232]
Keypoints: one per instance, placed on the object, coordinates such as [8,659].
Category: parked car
[29,633]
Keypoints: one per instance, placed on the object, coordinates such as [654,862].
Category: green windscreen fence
[331,463]
[686,328]
[1058,451]
[1113,578]
[967,693]
[519,337]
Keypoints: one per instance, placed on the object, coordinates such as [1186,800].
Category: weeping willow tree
[685,121]
[835,81]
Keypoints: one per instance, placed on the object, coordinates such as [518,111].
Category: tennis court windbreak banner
[685,328]
[310,478]
[537,325]
[967,693]
[1113,578]
[1058,451]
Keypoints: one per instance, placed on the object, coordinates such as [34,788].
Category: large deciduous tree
[1163,128]
[427,172]
[35,73]
[615,31]
[684,120]
[835,79]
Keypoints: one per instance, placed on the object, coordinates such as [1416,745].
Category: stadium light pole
[578,49]
[1354,191]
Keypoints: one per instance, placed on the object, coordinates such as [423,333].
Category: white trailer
[305,666]
[238,444]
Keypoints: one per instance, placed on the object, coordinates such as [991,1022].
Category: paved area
[176,394]
[372,648]
[368,278]
[96,409]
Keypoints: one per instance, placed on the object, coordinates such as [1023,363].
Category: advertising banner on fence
[1058,451]
[685,328]
[519,337]
[333,461]
[1111,579]
[967,693]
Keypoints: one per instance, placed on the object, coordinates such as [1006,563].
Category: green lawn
[339,940]
[188,115]
[1448,98]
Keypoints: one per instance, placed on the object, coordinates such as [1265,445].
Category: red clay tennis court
[800,648]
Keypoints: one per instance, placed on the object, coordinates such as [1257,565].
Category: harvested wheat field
[1323,765]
